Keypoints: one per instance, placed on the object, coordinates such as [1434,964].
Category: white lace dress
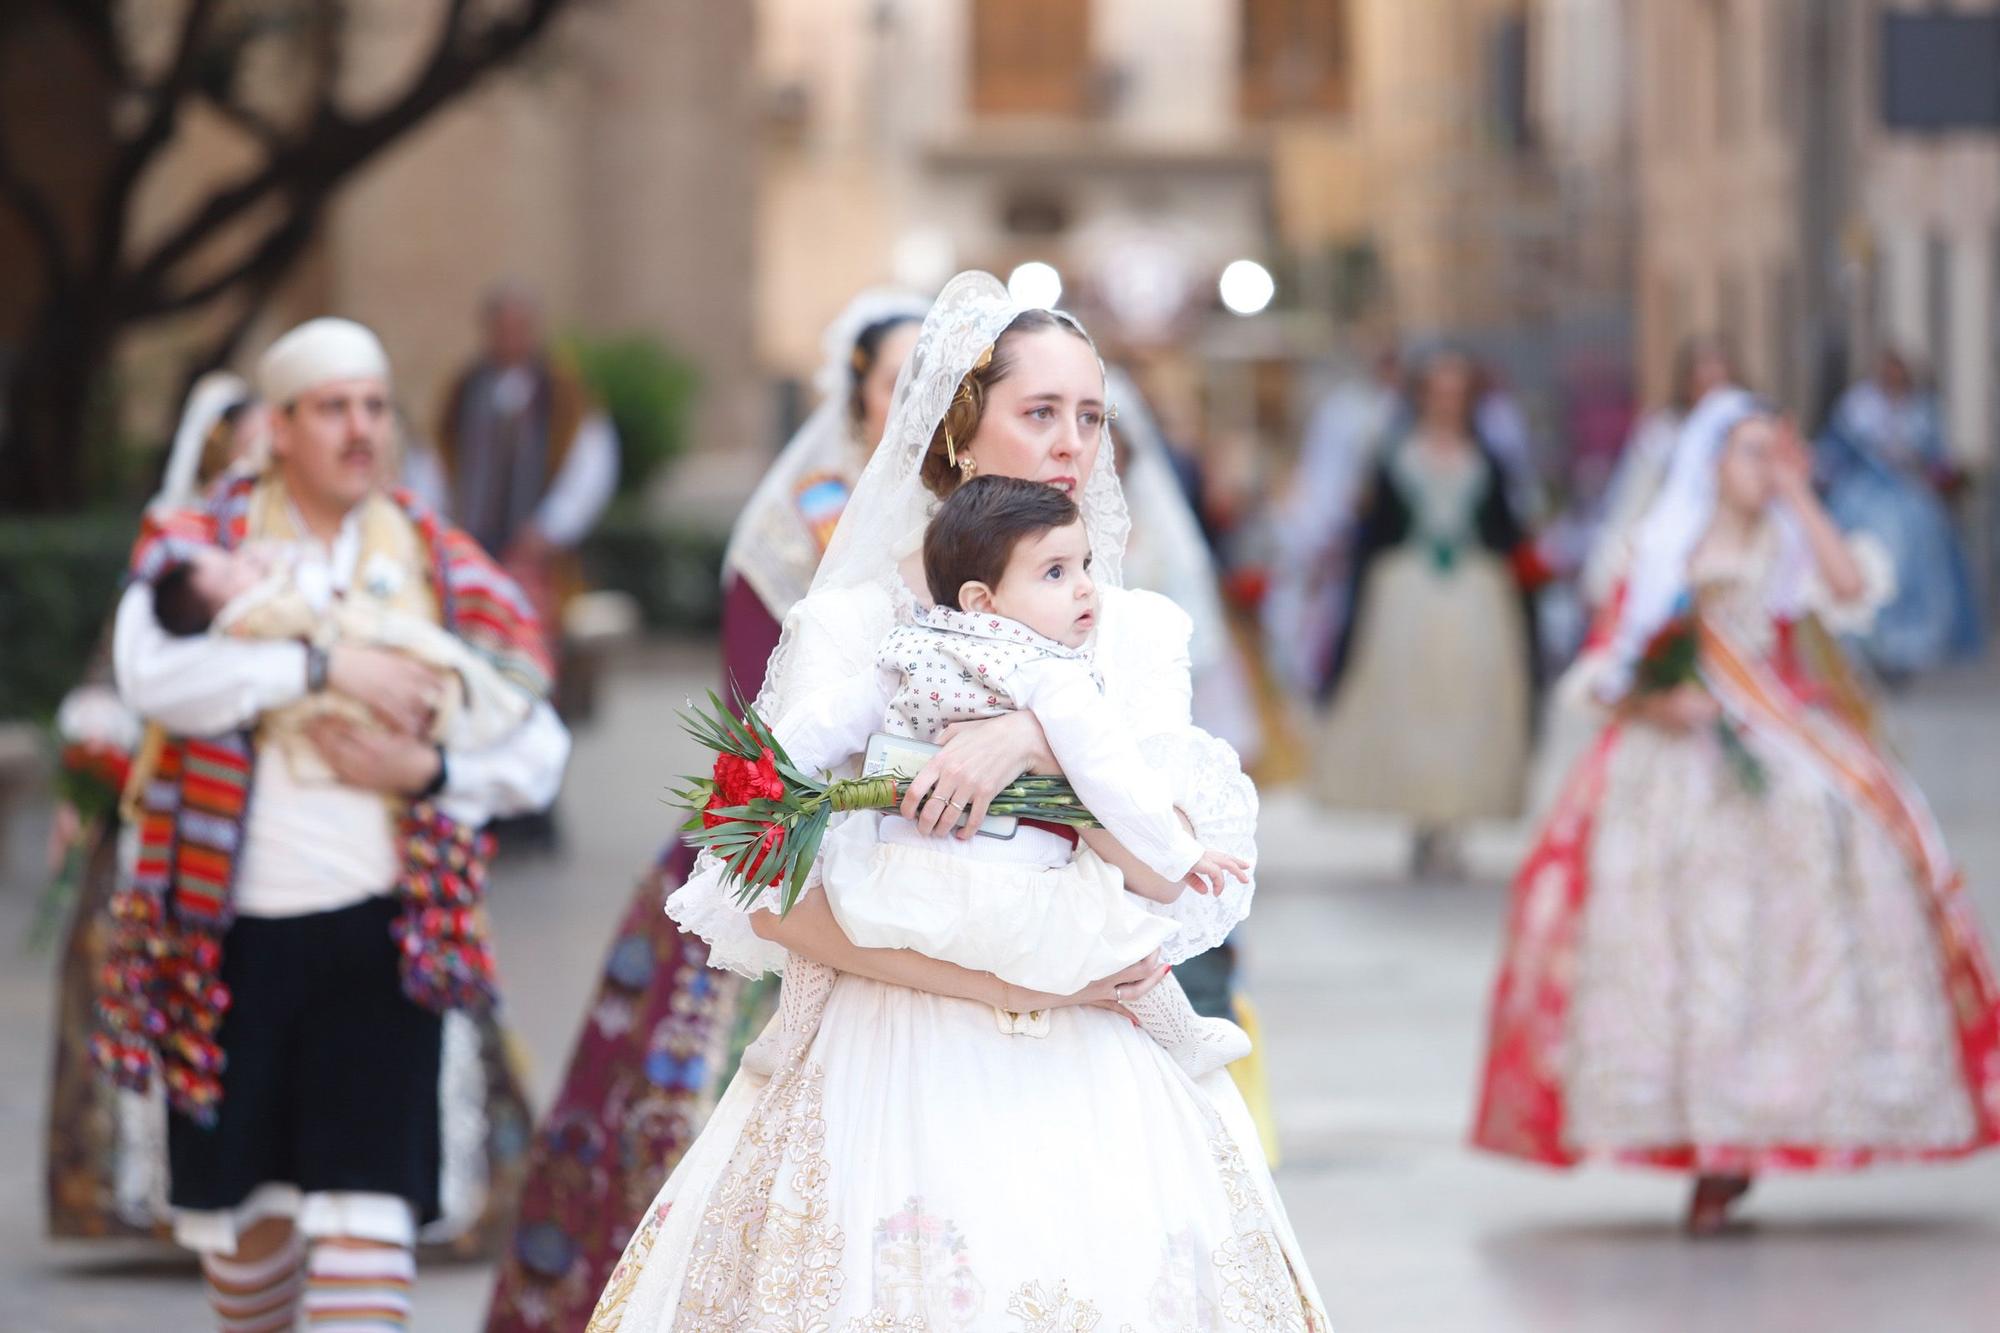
[921,1163]
[1760,980]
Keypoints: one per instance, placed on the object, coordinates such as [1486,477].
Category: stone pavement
[1372,990]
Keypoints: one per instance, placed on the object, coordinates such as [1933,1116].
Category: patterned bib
[954,666]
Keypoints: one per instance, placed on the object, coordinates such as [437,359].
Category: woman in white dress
[1434,679]
[934,1150]
[1746,951]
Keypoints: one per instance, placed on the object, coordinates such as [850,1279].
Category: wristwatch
[316,668]
[436,784]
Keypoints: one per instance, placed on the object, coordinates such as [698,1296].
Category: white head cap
[319,351]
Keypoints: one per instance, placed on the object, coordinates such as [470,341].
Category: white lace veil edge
[212,396]
[770,545]
[1658,581]
[890,503]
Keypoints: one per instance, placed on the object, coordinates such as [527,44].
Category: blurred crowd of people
[1431,574]
[1738,944]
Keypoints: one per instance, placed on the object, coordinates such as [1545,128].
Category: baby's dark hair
[974,532]
[178,605]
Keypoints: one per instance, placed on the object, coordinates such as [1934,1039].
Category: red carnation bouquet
[764,816]
[90,779]
[1673,659]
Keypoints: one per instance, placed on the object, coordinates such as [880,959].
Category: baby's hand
[1207,874]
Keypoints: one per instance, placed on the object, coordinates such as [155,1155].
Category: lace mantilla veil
[771,546]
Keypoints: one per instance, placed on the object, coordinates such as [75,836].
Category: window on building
[1295,56]
[1727,68]
[1784,41]
[1031,57]
[1732,322]
[1507,80]
[1940,71]
[1668,321]
[1937,309]
[1784,323]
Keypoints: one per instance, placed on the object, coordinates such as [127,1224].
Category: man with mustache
[288,951]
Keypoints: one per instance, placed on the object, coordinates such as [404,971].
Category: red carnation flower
[741,781]
[769,845]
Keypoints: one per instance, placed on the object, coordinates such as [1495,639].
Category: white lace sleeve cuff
[706,906]
[1210,787]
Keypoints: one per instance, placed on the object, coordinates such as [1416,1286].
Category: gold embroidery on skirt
[1043,1309]
[757,1263]
[624,1279]
[1259,1289]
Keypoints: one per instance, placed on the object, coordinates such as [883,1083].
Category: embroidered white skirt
[914,1167]
[1431,718]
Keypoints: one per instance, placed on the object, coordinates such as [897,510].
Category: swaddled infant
[266,590]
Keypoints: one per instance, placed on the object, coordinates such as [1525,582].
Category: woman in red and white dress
[1738,944]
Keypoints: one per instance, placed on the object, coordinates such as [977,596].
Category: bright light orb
[1246,287]
[1035,284]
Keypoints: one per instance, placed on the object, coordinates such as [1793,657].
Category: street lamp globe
[1035,284]
[1246,287]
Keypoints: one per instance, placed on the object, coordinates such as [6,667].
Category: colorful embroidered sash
[1750,689]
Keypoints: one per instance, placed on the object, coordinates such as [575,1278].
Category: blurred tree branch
[276,72]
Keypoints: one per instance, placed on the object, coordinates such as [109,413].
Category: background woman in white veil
[930,1148]
[106,1148]
[659,1035]
[776,545]
[1743,951]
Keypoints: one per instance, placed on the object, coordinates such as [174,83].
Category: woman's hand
[1683,709]
[978,759]
[1792,475]
[1791,465]
[1105,993]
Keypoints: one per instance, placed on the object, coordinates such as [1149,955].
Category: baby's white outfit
[1036,910]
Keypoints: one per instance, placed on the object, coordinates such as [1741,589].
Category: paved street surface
[1373,991]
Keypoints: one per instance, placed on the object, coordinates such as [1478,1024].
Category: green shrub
[650,394]
[59,580]
[675,574]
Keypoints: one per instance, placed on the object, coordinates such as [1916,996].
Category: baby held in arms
[265,590]
[1008,565]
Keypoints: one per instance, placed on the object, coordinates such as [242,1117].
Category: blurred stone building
[1404,168]
[1820,179]
[615,172]
[914,137]
[726,175]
